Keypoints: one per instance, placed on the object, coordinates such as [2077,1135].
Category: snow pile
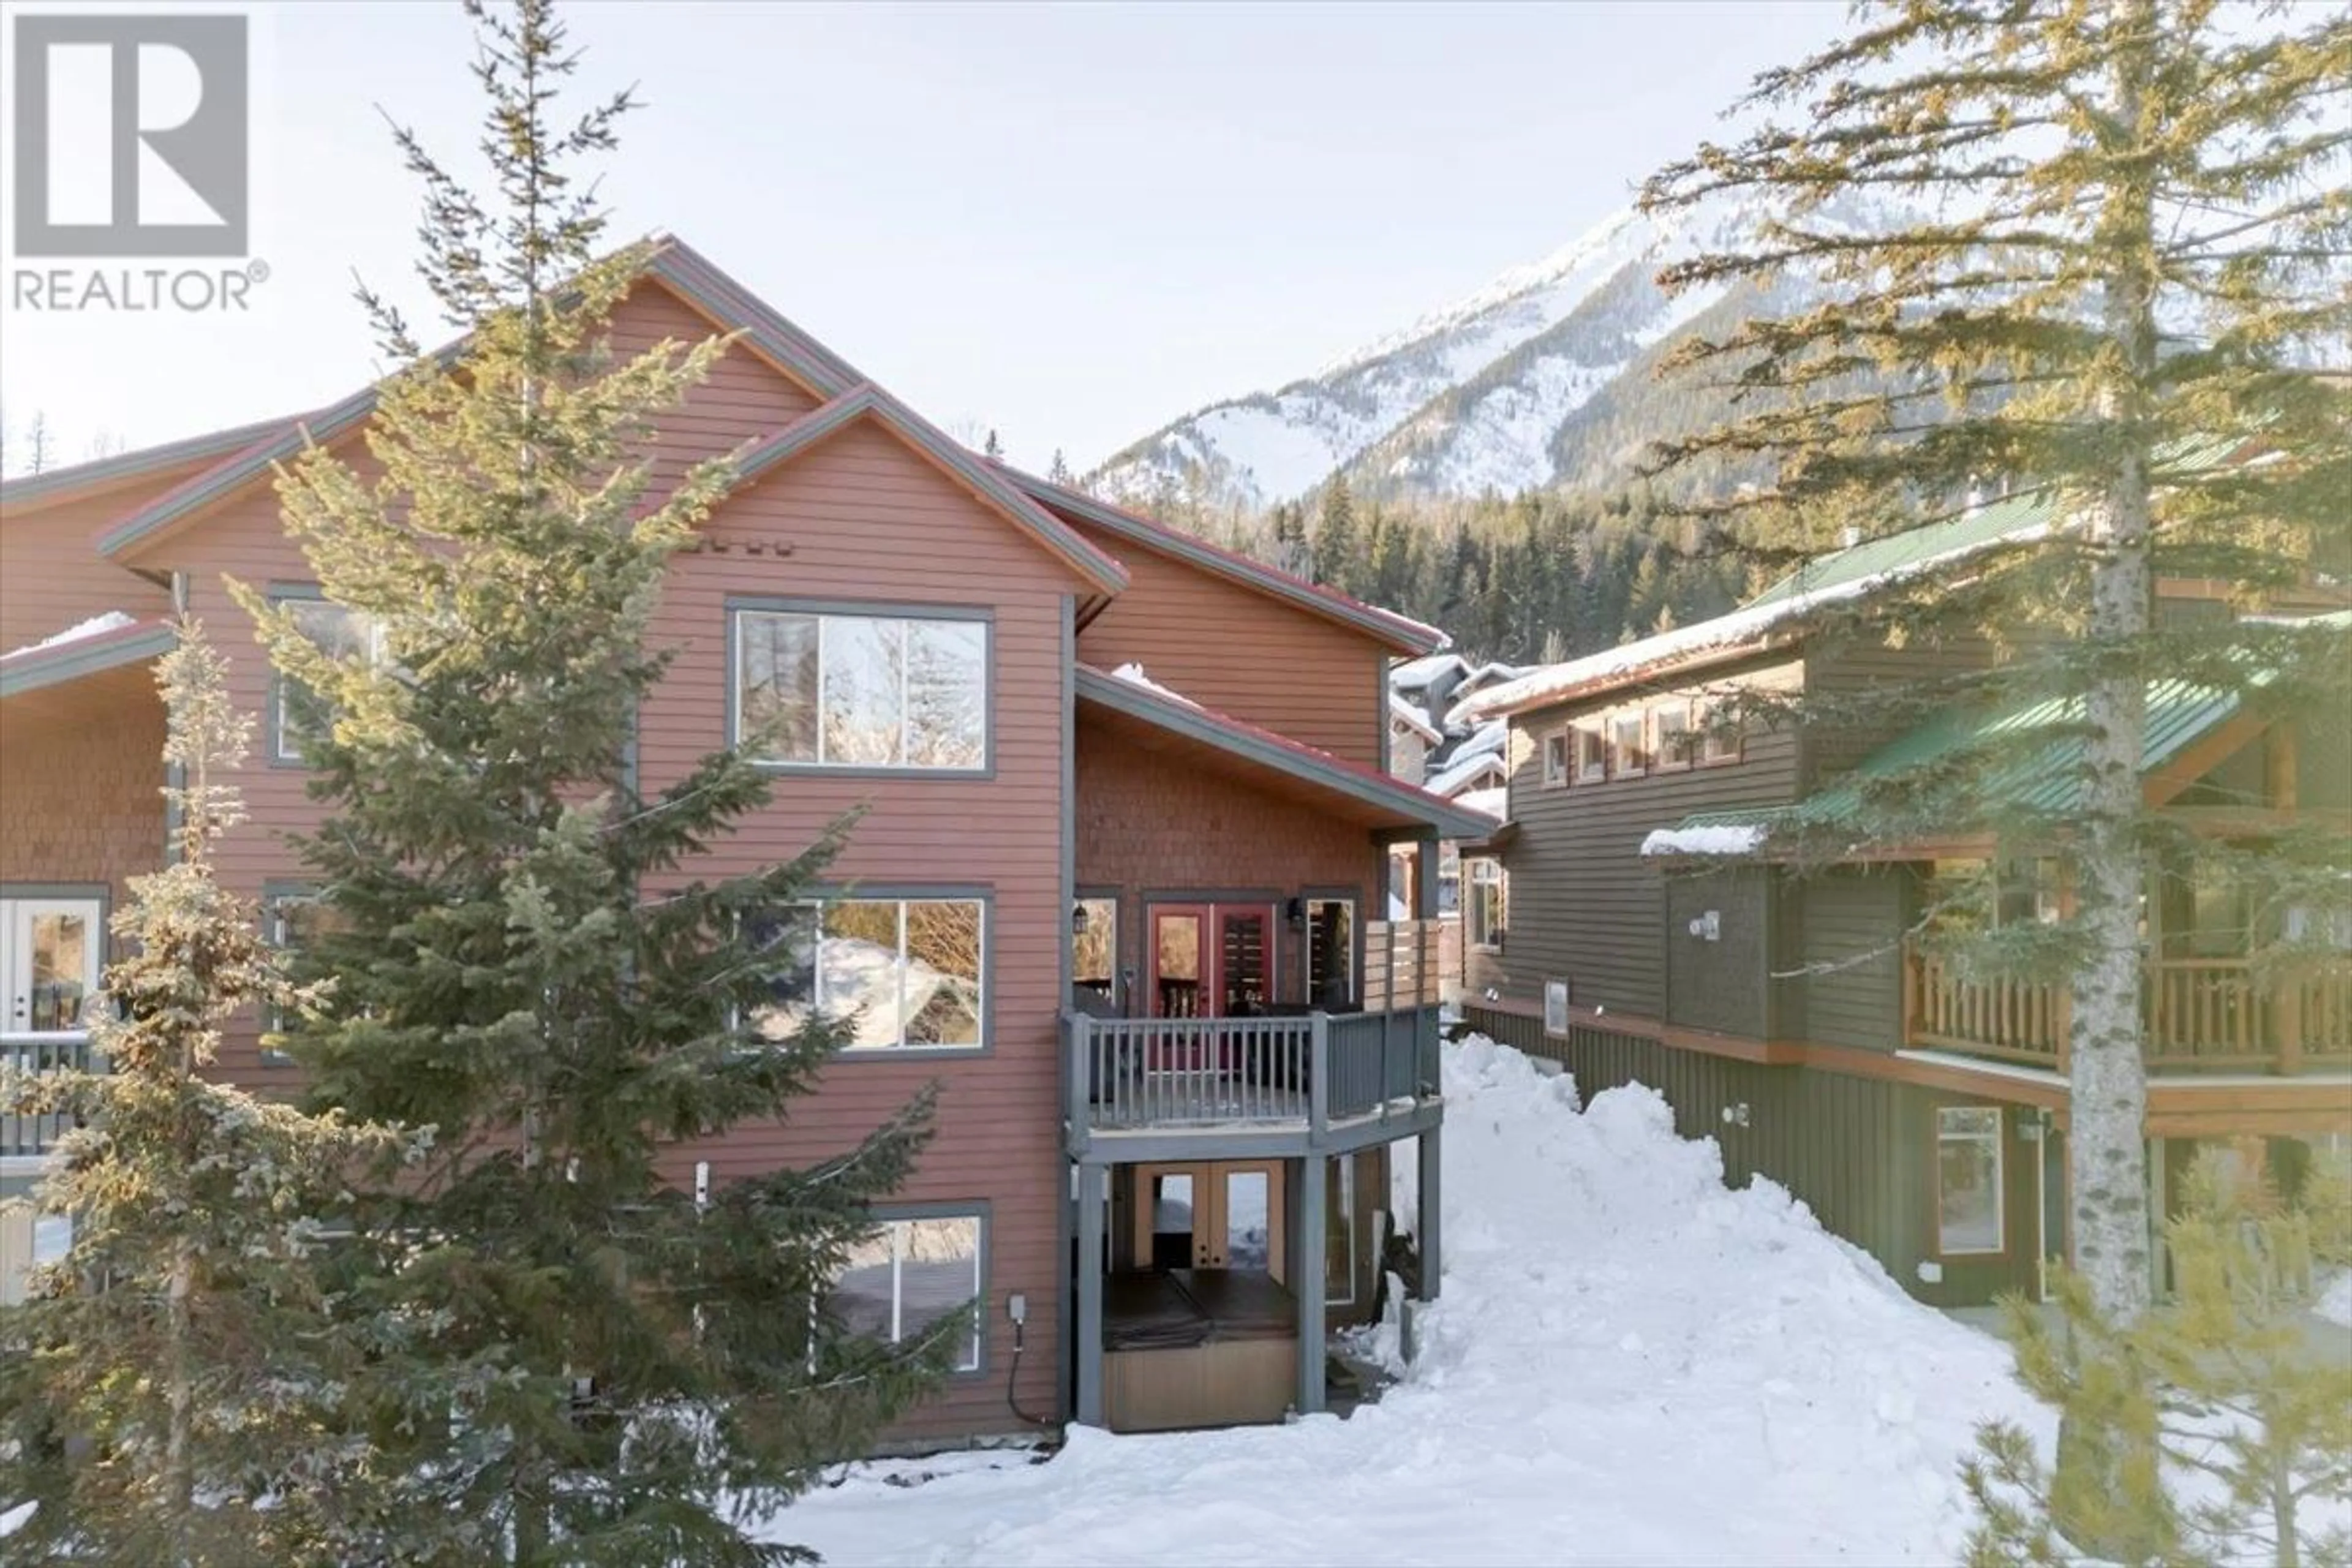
[2334,1302]
[96,626]
[1133,675]
[1630,1365]
[1708,840]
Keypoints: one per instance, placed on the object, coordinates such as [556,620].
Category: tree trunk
[180,1401]
[2108,1078]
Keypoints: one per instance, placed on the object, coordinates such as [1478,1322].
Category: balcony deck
[2203,1015]
[32,1137]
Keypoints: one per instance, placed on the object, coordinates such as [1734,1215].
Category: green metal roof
[2045,782]
[1966,531]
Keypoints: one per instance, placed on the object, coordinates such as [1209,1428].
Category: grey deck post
[1308,1248]
[1431,1199]
[1319,1078]
[1091,1224]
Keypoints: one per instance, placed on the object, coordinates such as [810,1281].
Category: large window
[1484,907]
[910,1274]
[862,691]
[1332,953]
[292,918]
[1094,949]
[900,972]
[298,713]
[1968,1180]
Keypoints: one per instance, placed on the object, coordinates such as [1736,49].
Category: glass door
[50,954]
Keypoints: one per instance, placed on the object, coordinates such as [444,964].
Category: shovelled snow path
[1629,1365]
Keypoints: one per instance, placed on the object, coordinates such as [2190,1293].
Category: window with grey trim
[1968,1180]
[908,1275]
[341,633]
[292,918]
[862,691]
[1483,909]
[1332,953]
[900,971]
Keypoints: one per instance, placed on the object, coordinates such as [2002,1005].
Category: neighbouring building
[1435,742]
[1139,890]
[1632,919]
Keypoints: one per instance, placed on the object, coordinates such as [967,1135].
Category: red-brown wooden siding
[858,516]
[1242,652]
[52,576]
[1147,827]
[866,518]
[80,782]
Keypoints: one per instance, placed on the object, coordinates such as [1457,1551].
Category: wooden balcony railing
[2203,1015]
[1306,1071]
[30,1137]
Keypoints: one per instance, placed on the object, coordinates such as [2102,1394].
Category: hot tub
[1197,1347]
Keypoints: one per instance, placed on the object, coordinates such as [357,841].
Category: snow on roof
[1415,674]
[96,626]
[1404,713]
[1133,675]
[1714,839]
[1495,802]
[1448,780]
[1738,629]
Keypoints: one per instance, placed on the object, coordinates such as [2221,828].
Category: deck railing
[1310,1071]
[30,1137]
[2203,1015]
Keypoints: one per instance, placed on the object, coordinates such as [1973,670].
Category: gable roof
[26,490]
[2045,782]
[671,261]
[986,482]
[1251,743]
[1396,632]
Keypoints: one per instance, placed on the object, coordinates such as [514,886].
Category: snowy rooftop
[96,626]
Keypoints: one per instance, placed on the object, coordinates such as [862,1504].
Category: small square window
[1629,753]
[1555,759]
[1592,754]
[1672,737]
[1719,737]
[298,713]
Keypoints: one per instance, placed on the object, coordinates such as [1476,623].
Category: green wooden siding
[1585,907]
[1847,924]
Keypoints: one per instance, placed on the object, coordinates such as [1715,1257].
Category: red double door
[1209,960]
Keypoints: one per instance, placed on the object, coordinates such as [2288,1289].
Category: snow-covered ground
[1629,1365]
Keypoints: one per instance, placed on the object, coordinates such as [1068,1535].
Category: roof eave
[1206,727]
[38,668]
[1395,632]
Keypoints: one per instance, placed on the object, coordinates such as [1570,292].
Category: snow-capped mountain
[1508,388]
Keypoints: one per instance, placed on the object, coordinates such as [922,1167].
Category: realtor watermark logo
[132,142]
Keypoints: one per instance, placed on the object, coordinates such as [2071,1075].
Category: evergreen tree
[1338,554]
[526,955]
[172,1391]
[993,448]
[2223,1424]
[2135,220]
[1059,472]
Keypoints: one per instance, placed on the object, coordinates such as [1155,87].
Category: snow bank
[1716,841]
[96,626]
[1630,1365]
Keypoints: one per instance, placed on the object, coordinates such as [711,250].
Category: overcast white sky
[1069,222]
